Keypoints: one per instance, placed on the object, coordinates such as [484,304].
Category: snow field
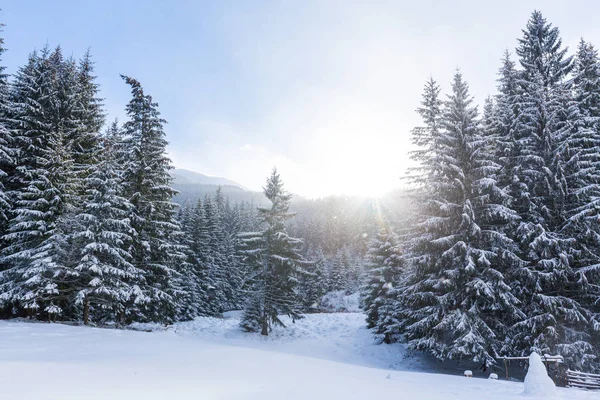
[210,359]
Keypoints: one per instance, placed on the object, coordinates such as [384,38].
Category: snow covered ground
[321,357]
[340,337]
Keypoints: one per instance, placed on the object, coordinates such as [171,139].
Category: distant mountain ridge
[194,185]
[187,177]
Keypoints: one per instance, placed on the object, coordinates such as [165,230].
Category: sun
[356,165]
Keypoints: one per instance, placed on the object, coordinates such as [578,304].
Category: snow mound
[341,302]
[537,381]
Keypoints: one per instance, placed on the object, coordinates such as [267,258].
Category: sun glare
[353,162]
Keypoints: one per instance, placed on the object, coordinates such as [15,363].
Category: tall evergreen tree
[7,161]
[337,278]
[547,285]
[234,271]
[313,284]
[383,272]
[501,131]
[42,184]
[425,138]
[84,140]
[275,261]
[7,151]
[354,273]
[581,157]
[216,256]
[155,248]
[199,281]
[108,280]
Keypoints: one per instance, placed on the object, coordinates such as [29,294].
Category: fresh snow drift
[60,362]
[537,381]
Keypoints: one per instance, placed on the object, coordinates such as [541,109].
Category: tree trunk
[86,311]
[119,319]
[265,325]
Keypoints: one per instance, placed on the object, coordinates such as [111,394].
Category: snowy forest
[492,249]
[90,231]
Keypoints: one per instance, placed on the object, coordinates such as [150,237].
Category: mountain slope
[194,185]
[186,177]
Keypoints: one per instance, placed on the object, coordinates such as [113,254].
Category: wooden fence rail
[583,380]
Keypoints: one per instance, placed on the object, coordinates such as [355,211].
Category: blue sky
[325,90]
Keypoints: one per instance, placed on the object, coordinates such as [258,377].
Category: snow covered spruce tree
[7,151]
[203,263]
[40,279]
[545,129]
[354,274]
[194,299]
[453,291]
[89,108]
[583,222]
[313,283]
[274,262]
[337,278]
[215,256]
[85,137]
[583,166]
[155,249]
[500,130]
[383,272]
[108,280]
[234,272]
